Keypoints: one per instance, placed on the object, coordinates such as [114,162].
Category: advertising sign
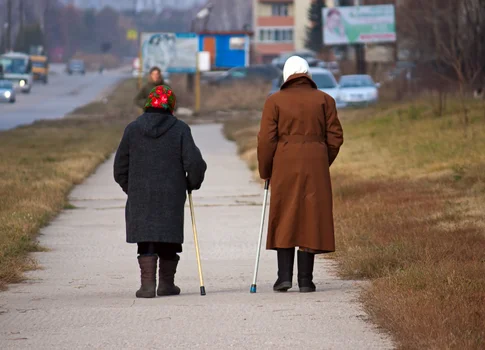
[359,24]
[171,52]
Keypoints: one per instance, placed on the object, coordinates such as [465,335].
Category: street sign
[171,52]
[204,61]
[359,24]
[132,35]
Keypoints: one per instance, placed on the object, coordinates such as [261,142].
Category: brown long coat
[299,139]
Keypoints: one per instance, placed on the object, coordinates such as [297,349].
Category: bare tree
[447,35]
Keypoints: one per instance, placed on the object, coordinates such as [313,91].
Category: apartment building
[279,26]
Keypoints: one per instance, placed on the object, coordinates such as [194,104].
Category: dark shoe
[166,279]
[286,259]
[148,269]
[305,272]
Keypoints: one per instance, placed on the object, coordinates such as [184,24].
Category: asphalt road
[61,95]
[83,297]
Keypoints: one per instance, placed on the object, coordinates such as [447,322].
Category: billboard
[171,52]
[359,24]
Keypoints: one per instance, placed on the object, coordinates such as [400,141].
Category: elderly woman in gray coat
[157,162]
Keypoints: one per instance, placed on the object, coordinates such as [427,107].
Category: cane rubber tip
[253,288]
[202,290]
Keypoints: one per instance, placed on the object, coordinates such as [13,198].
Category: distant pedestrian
[155,79]
[157,162]
[299,139]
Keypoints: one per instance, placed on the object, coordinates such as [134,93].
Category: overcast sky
[157,5]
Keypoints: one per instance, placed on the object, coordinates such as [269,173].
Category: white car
[325,82]
[358,90]
[7,91]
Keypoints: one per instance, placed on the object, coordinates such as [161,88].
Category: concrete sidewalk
[83,298]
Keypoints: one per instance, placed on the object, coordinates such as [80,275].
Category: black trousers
[166,251]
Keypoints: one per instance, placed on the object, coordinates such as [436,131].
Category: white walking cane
[196,242]
[258,252]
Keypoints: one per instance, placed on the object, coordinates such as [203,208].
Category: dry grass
[40,163]
[409,191]
[222,98]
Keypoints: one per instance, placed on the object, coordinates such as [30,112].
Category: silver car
[7,91]
[358,90]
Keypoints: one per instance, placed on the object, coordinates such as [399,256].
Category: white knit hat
[295,65]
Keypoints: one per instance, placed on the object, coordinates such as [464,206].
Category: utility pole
[8,44]
[360,52]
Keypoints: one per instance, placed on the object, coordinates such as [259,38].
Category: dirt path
[83,298]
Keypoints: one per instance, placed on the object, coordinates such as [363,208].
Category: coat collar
[299,79]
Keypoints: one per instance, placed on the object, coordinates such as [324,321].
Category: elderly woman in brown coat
[299,139]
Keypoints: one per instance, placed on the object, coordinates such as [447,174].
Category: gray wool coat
[156,163]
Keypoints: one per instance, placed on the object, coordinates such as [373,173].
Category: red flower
[159,90]
[169,93]
[155,102]
[164,99]
[151,95]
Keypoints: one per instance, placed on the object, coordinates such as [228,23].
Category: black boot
[305,272]
[166,278]
[286,258]
[148,270]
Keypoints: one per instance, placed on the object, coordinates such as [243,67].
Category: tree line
[54,25]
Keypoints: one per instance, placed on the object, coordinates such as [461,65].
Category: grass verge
[40,163]
[409,192]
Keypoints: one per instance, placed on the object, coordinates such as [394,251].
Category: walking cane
[196,242]
[258,252]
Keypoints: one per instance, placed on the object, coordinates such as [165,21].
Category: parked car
[358,90]
[332,66]
[264,73]
[76,66]
[309,56]
[324,79]
[7,91]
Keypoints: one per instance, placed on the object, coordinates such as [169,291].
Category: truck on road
[40,68]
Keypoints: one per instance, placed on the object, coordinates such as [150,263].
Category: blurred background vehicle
[332,66]
[17,68]
[7,91]
[255,73]
[355,90]
[76,66]
[324,79]
[309,56]
[40,68]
